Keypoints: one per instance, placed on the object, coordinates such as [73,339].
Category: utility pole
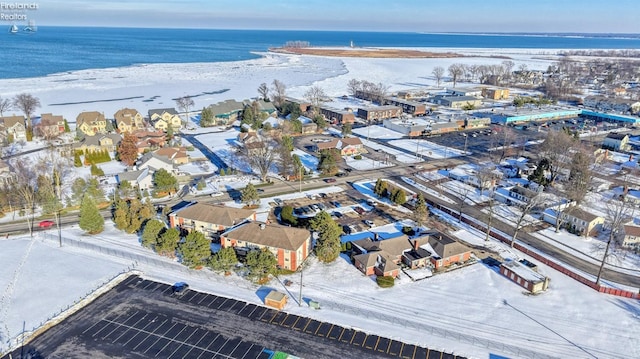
[300,178]
[300,295]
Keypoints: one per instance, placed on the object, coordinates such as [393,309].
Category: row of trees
[396,195]
[485,74]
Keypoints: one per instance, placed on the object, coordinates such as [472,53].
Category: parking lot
[142,319]
[350,209]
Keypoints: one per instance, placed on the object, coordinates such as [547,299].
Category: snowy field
[366,163]
[309,161]
[472,311]
[429,149]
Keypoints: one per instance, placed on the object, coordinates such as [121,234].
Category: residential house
[631,236]
[177,155]
[209,218]
[91,123]
[227,112]
[522,194]
[5,173]
[15,127]
[129,120]
[140,179]
[309,128]
[50,126]
[348,146]
[617,141]
[383,258]
[524,276]
[162,118]
[576,220]
[99,142]
[262,106]
[155,163]
[446,251]
[149,140]
[289,245]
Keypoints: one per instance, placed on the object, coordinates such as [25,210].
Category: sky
[590,16]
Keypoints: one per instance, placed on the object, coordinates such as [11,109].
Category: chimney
[415,244]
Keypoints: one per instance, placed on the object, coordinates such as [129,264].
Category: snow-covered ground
[473,311]
[366,163]
[429,149]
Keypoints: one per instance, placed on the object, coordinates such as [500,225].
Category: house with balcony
[128,120]
[163,118]
[50,126]
[209,218]
[98,143]
[617,141]
[290,245]
[91,123]
[575,220]
[15,127]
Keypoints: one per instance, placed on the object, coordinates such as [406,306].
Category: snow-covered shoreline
[151,86]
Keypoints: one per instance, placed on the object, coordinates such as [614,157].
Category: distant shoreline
[369,52]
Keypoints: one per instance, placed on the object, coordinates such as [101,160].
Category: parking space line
[251,345]
[381,347]
[373,338]
[133,325]
[213,299]
[335,336]
[263,318]
[203,298]
[293,326]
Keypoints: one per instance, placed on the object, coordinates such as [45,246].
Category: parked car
[341,174]
[179,289]
[260,190]
[46,224]
[278,201]
[330,180]
[336,204]
[337,214]
[321,206]
[359,210]
[369,223]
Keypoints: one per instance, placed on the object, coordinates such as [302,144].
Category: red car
[330,180]
[358,209]
[46,224]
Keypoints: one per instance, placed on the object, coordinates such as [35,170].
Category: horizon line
[434,32]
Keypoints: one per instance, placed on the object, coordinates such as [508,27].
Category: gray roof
[226,107]
[94,140]
[132,176]
[160,111]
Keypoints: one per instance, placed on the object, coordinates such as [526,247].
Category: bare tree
[278,93]
[577,185]
[556,148]
[5,105]
[24,185]
[486,178]
[184,104]
[619,212]
[380,91]
[316,96]
[455,71]
[353,86]
[438,73]
[463,195]
[26,103]
[263,91]
[525,209]
[508,67]
[261,155]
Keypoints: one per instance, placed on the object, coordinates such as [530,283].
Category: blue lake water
[60,49]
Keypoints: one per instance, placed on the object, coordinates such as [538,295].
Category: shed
[276,300]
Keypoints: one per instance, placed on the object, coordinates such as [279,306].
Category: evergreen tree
[328,243]
[94,190]
[328,164]
[96,171]
[399,196]
[168,242]
[249,195]
[165,181]
[287,142]
[169,133]
[261,264]
[90,219]
[207,118]
[120,213]
[78,188]
[222,172]
[77,162]
[195,250]
[421,210]
[346,129]
[151,233]
[224,260]
[296,125]
[381,188]
[66,126]
[286,214]
[134,221]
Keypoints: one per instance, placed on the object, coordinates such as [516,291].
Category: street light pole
[300,294]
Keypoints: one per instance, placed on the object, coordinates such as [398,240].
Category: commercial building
[408,107]
[458,102]
[336,116]
[379,112]
[524,276]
